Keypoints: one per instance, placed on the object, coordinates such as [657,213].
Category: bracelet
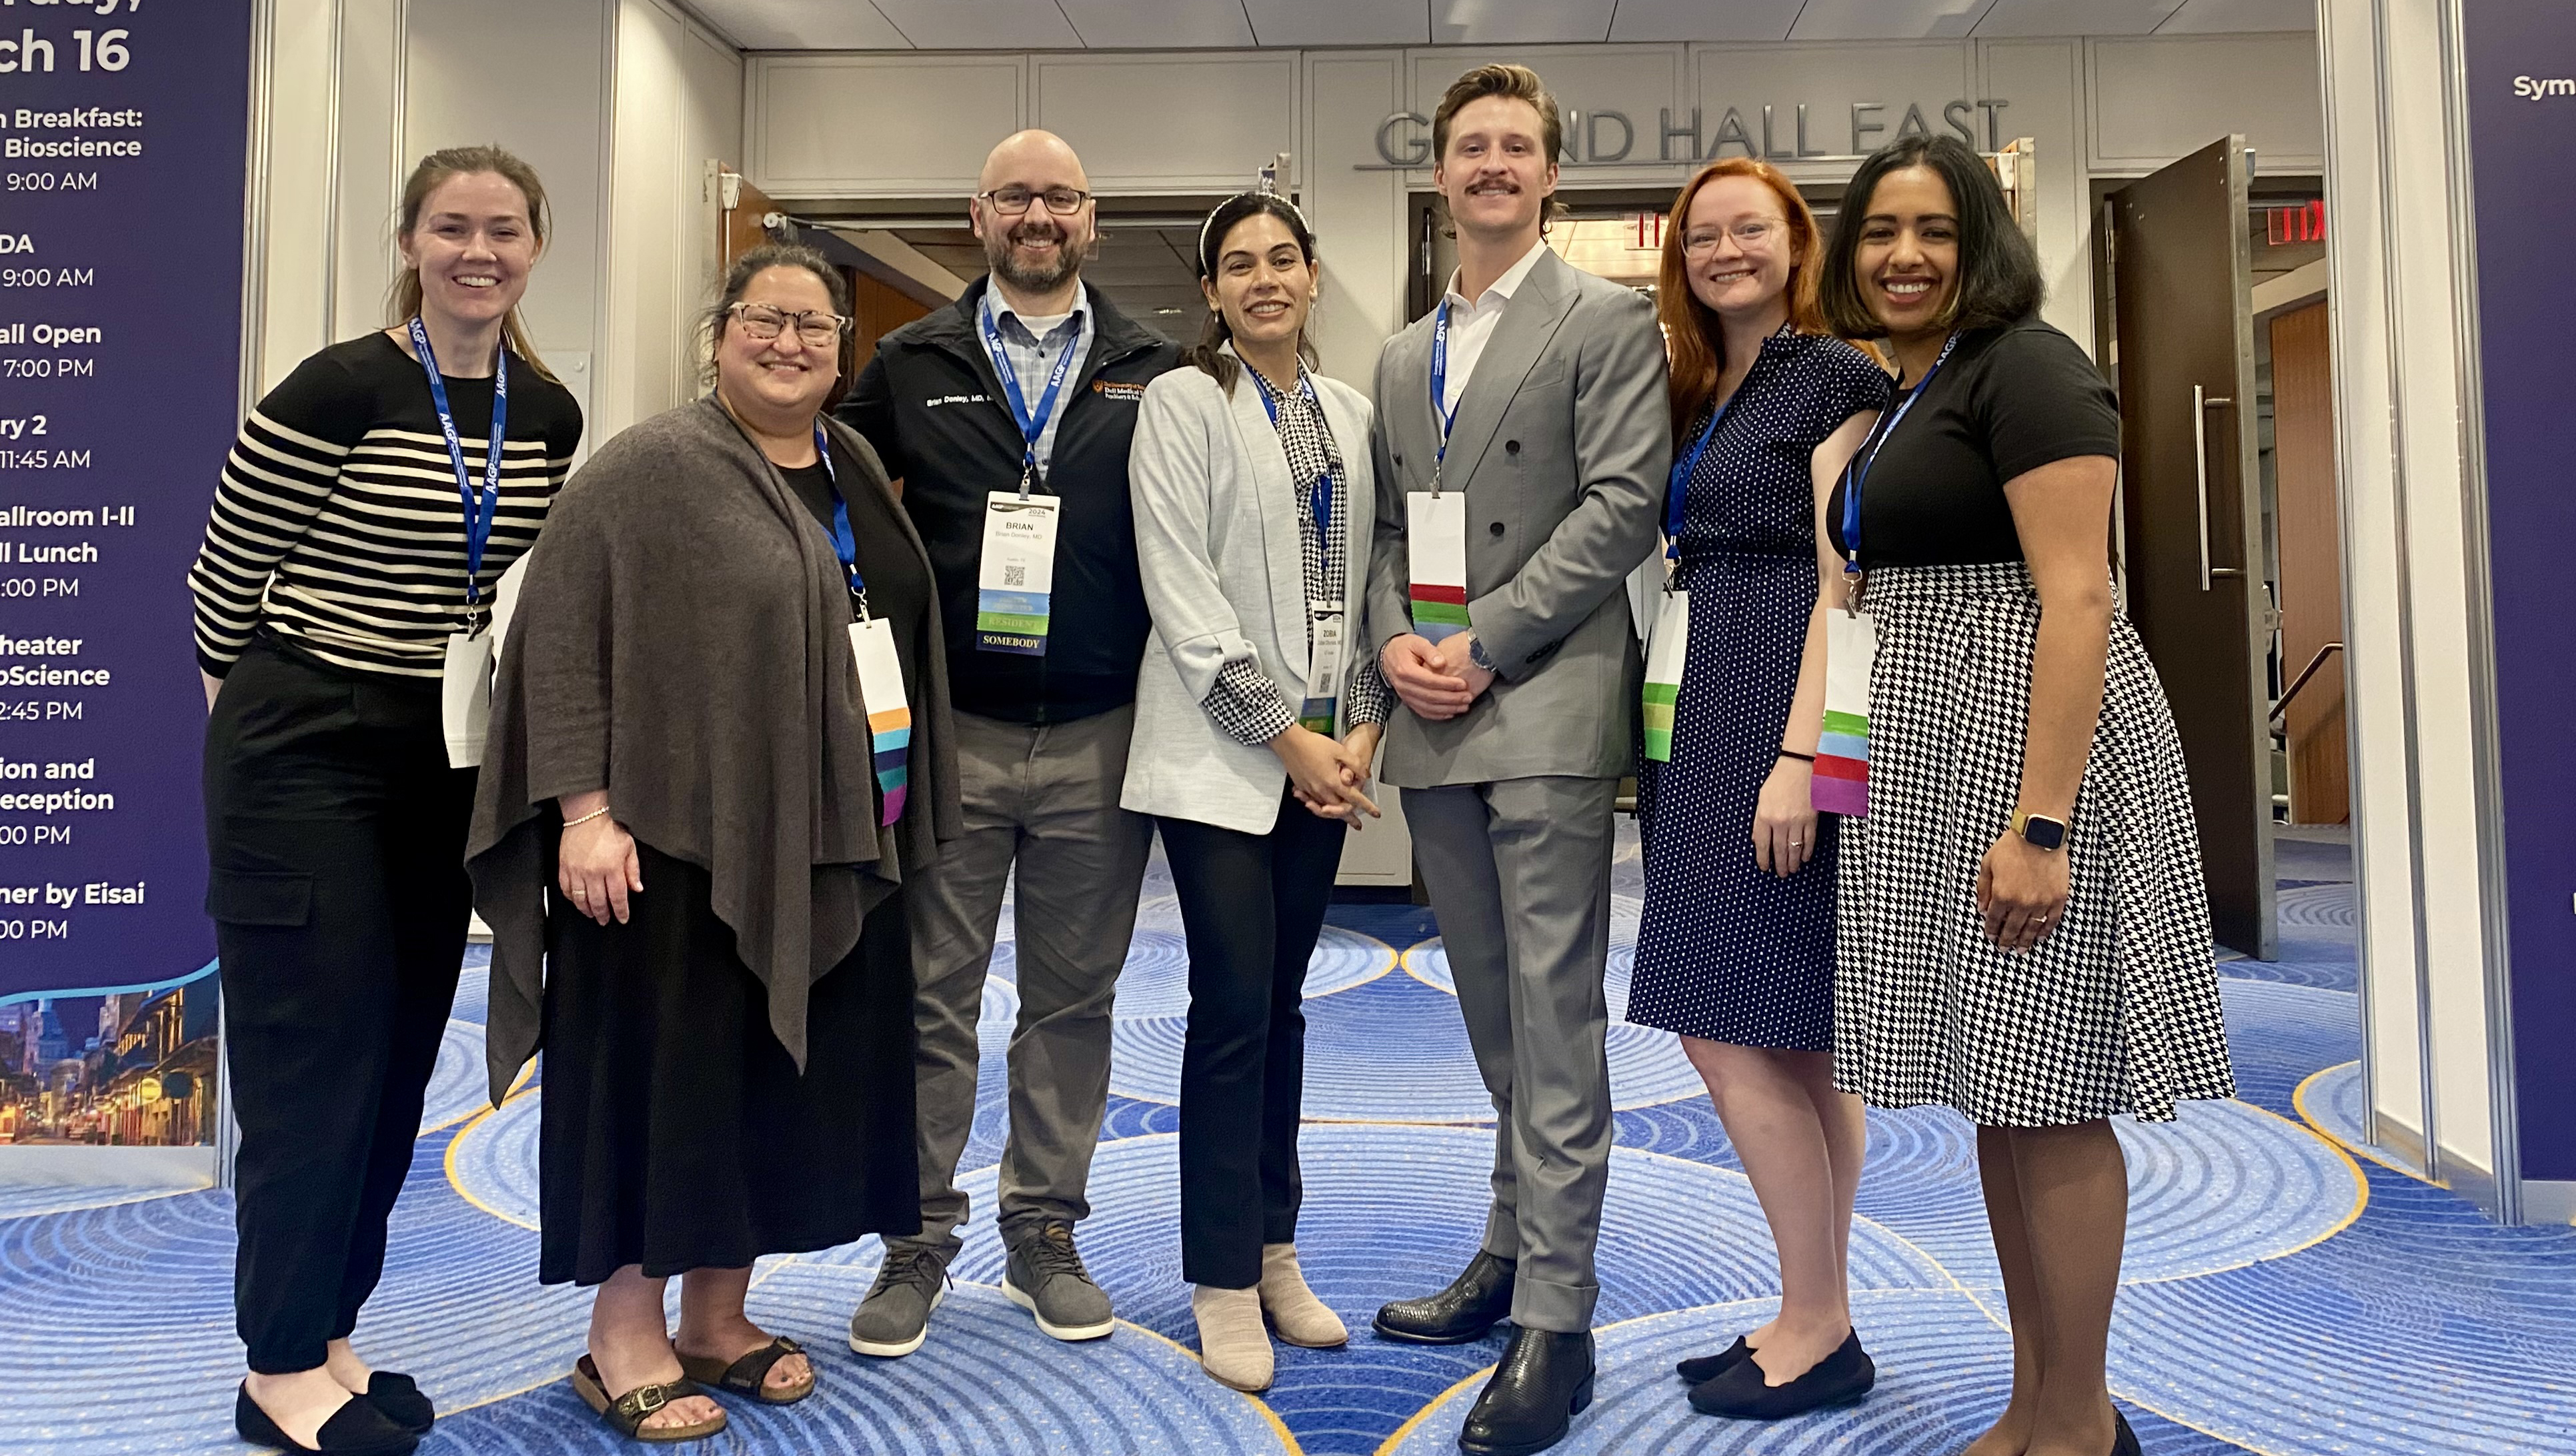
[1800,757]
[586,818]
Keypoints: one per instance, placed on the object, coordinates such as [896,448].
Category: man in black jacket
[1019,397]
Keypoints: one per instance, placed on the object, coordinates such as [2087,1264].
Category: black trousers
[336,834]
[1251,908]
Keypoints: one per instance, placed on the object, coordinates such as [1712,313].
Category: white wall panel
[2157,98]
[1829,81]
[2044,80]
[879,125]
[1167,123]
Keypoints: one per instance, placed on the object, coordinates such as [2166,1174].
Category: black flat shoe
[1544,1382]
[2124,1442]
[1838,1379]
[1700,1368]
[1474,1303]
[355,1429]
[399,1397]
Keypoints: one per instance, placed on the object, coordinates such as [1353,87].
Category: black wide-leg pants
[1252,906]
[336,834]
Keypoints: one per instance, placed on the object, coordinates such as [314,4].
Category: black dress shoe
[1838,1379]
[355,1429]
[1700,1368]
[399,1397]
[2124,1442]
[1545,1380]
[1474,1302]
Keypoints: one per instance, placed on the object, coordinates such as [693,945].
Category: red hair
[1691,333]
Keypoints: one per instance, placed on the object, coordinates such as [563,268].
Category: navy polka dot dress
[1726,952]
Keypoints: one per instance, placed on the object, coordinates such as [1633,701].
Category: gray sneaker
[895,1317]
[1047,1279]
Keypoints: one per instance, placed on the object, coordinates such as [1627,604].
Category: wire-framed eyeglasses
[1751,232]
[817,328]
[1013,201]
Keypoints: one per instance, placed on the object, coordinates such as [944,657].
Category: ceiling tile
[982,25]
[1518,22]
[1159,24]
[1653,20]
[2074,17]
[1340,22]
[1887,19]
[2209,17]
[793,25]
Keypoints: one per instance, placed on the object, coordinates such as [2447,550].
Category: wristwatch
[1476,654]
[2038,830]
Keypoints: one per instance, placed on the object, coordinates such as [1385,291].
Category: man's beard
[1046,279]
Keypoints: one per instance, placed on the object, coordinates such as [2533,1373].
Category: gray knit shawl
[681,640]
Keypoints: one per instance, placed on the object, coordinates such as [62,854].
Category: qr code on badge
[1015,573]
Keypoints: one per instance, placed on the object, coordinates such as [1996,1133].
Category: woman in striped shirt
[356,541]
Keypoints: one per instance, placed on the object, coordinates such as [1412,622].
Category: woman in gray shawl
[720,748]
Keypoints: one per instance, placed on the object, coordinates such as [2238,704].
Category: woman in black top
[2024,934]
[719,763]
[337,566]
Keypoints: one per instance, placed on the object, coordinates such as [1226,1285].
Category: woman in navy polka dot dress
[1736,950]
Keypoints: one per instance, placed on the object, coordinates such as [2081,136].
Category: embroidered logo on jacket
[1116,389]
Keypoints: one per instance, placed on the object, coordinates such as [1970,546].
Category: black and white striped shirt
[338,524]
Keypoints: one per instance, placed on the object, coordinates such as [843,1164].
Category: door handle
[2201,401]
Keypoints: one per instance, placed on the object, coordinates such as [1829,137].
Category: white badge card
[465,697]
[1667,651]
[1841,782]
[889,715]
[1018,572]
[1435,543]
[1327,630]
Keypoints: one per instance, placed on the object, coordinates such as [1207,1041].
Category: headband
[1265,190]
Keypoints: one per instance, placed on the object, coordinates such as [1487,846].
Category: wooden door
[2182,278]
[744,224]
[2311,531]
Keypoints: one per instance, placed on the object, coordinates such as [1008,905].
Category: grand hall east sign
[1612,138]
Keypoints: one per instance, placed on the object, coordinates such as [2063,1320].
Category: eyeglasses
[1751,232]
[815,327]
[1012,201]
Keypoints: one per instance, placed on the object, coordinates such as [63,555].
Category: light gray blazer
[1561,444]
[1218,546]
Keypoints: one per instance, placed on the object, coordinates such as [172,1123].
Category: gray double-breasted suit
[1561,445]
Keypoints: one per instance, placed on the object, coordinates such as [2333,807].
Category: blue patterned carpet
[2283,1296]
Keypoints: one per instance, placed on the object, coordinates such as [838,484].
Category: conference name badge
[889,716]
[465,697]
[1667,651]
[1841,781]
[1435,538]
[1329,633]
[1017,574]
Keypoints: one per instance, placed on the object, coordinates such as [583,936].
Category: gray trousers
[1519,874]
[1046,797]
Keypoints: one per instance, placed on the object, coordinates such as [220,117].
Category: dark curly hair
[1999,277]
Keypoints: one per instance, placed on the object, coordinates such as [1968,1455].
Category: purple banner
[123,128]
[2521,76]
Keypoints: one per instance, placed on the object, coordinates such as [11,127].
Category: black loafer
[1699,1368]
[1544,1382]
[1838,1379]
[399,1397]
[1474,1303]
[355,1429]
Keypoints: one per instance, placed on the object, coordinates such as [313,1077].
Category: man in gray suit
[1522,445]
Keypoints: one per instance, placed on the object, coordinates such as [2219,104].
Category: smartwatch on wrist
[2038,830]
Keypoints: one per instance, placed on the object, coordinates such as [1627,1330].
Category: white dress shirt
[1472,320]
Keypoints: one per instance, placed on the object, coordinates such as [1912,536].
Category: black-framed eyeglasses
[815,327]
[1013,201]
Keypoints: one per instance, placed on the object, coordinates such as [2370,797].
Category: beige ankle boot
[1232,1344]
[1294,1311]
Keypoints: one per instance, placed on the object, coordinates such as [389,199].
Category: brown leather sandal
[750,1374]
[627,1413]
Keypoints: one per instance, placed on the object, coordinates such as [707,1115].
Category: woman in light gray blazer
[1257,716]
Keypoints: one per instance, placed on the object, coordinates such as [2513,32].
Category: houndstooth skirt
[2117,1010]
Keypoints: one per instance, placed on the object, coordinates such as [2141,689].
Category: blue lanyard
[1440,391]
[1320,499]
[479,513]
[845,542]
[1677,487]
[1032,426]
[1857,472]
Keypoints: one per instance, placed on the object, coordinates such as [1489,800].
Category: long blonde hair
[402,301]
